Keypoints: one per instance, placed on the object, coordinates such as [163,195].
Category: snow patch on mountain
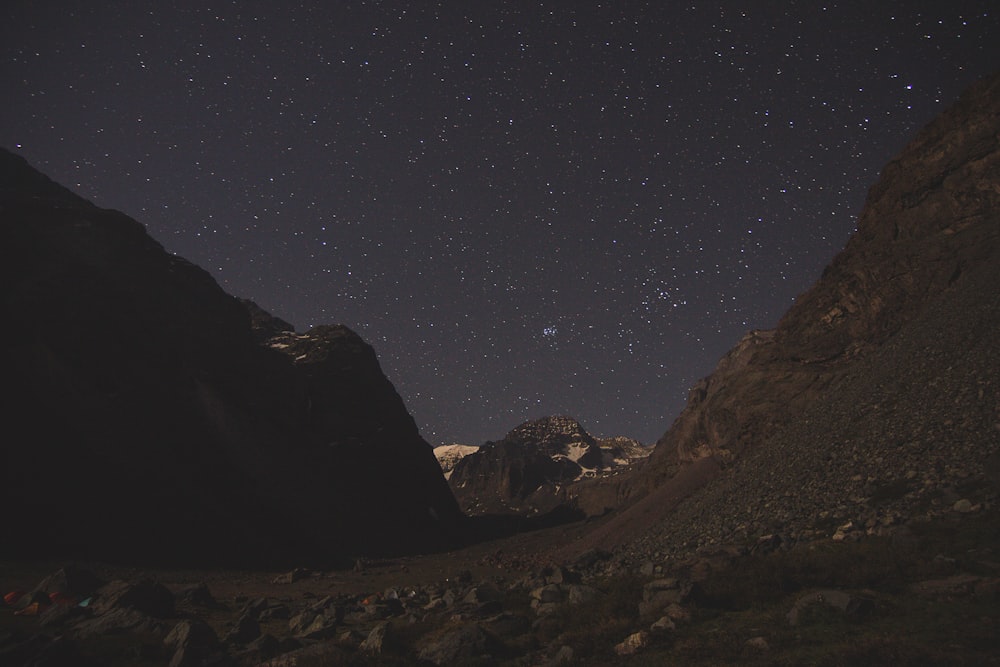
[448,455]
[575,450]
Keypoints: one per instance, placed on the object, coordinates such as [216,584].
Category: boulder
[581,593]
[193,643]
[59,615]
[245,630]
[507,626]
[146,596]
[290,577]
[119,619]
[312,625]
[564,656]
[262,649]
[320,654]
[562,575]
[377,639]
[659,594]
[481,594]
[632,644]
[851,605]
[456,644]
[196,596]
[548,593]
[590,558]
[662,625]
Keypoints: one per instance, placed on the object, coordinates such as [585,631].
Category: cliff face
[932,215]
[536,466]
[146,420]
[522,472]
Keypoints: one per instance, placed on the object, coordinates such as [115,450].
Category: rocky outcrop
[145,421]
[530,470]
[619,451]
[504,477]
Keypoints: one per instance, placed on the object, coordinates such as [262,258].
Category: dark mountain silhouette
[147,419]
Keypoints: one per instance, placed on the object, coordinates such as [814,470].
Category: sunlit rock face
[152,416]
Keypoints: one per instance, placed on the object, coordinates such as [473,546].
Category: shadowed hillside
[145,421]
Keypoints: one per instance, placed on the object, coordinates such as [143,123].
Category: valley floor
[929,594]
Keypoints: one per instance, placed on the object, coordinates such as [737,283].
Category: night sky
[528,208]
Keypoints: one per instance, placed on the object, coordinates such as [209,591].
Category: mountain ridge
[534,467]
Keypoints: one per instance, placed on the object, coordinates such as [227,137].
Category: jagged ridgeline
[151,416]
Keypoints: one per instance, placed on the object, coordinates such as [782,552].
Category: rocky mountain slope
[146,421]
[875,399]
[531,468]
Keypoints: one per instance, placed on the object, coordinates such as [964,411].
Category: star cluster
[528,208]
